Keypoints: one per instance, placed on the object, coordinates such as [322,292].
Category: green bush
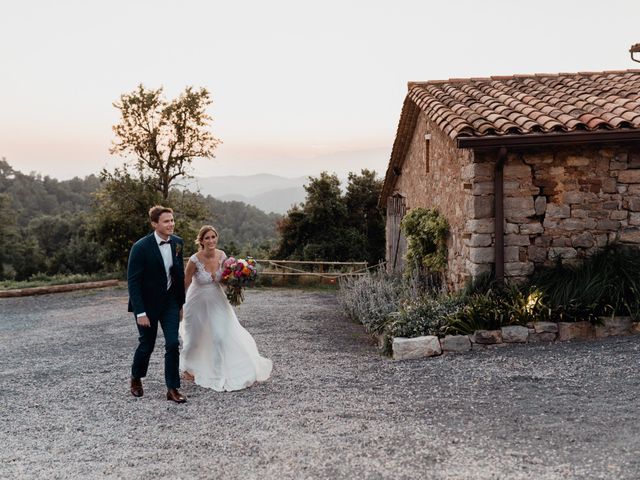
[426,231]
[425,316]
[606,283]
[369,299]
[496,308]
[480,284]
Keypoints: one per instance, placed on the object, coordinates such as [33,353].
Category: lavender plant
[369,299]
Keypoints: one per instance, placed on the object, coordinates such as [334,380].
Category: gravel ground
[334,408]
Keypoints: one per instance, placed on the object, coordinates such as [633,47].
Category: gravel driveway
[334,408]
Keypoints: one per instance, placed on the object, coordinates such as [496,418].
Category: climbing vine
[426,231]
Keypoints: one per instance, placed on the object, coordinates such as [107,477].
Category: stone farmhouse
[526,169]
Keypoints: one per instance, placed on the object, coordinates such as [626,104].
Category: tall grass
[606,283]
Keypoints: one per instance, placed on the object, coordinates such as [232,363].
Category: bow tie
[164,242]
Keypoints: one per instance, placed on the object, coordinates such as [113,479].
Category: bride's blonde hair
[203,231]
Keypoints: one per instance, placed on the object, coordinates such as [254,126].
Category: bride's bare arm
[188,274]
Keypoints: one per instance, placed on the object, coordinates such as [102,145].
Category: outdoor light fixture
[634,49]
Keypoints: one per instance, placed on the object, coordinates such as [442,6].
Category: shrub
[480,284]
[426,231]
[606,283]
[425,316]
[496,308]
[370,298]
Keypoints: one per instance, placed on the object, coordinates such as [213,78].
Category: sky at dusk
[298,87]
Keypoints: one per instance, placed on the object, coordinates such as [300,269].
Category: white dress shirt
[165,251]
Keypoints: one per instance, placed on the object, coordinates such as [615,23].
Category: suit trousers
[169,320]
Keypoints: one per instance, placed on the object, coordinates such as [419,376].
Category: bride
[217,351]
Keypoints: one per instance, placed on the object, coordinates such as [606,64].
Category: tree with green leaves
[9,237]
[121,214]
[335,227]
[162,136]
[361,199]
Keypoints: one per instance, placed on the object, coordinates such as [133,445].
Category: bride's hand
[181,313]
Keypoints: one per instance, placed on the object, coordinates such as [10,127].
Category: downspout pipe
[498,189]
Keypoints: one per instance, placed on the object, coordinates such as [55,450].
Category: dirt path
[333,409]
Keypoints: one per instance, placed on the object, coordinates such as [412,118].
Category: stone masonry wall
[441,188]
[558,203]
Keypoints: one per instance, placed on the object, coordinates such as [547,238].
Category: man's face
[165,225]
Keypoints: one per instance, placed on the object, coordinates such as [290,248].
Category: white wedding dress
[216,349]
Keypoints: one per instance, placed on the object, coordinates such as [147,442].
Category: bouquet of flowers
[238,273]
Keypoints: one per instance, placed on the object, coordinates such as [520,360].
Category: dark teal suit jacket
[147,279]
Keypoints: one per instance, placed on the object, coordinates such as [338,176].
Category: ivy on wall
[426,232]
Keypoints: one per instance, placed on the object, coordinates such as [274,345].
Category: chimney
[634,49]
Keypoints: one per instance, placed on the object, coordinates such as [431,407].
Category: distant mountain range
[273,193]
[270,193]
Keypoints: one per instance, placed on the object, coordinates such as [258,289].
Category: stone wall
[441,187]
[558,203]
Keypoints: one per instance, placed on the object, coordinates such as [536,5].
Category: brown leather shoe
[175,396]
[136,387]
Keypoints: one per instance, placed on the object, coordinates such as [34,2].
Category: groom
[155,277]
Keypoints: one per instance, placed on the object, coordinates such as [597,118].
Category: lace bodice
[201,276]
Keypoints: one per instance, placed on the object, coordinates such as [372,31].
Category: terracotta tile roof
[519,107]
[531,104]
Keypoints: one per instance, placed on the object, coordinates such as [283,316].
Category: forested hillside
[34,195]
[51,226]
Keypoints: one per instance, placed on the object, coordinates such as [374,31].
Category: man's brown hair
[156,211]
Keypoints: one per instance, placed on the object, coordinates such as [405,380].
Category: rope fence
[323,270]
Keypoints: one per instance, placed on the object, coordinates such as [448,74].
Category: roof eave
[548,139]
[406,126]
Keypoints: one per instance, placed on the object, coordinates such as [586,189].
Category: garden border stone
[575,331]
[455,344]
[487,336]
[612,326]
[536,332]
[545,327]
[515,334]
[541,337]
[417,347]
